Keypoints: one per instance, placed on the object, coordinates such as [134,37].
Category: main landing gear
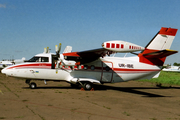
[86,85]
[32,85]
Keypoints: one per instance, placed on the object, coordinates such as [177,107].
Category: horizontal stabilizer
[160,54]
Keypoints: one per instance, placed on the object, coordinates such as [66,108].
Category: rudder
[157,49]
[163,39]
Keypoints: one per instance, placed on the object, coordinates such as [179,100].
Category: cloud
[2,6]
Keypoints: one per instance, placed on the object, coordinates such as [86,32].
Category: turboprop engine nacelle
[121,46]
[66,62]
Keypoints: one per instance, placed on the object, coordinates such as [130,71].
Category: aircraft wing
[160,54]
[87,56]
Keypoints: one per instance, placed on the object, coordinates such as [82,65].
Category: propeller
[60,58]
[46,50]
[58,49]
[57,66]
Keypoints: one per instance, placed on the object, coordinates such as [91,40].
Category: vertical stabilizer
[163,39]
[157,49]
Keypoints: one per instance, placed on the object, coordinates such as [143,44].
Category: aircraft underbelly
[120,77]
[46,74]
[86,74]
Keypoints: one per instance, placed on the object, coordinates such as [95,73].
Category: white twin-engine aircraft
[90,67]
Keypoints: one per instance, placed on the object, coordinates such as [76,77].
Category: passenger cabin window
[39,59]
[92,67]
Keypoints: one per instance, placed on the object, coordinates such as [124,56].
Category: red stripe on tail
[168,31]
[151,61]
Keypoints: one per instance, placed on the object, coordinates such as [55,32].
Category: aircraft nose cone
[3,71]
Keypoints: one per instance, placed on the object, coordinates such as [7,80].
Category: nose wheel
[32,85]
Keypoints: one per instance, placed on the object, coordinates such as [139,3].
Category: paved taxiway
[121,101]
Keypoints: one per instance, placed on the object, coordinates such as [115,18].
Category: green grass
[170,78]
[126,113]
[2,118]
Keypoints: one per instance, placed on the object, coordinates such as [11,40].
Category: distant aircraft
[6,63]
[90,67]
[172,69]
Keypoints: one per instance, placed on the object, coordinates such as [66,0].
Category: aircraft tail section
[158,48]
[163,39]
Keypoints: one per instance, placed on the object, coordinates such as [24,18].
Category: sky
[28,26]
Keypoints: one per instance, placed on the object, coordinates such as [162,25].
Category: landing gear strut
[28,81]
[86,85]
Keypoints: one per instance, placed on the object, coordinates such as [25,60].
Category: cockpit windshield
[39,59]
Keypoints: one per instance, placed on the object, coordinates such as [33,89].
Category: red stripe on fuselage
[97,69]
[32,65]
[123,70]
[119,70]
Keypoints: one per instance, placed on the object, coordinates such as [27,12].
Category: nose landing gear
[32,85]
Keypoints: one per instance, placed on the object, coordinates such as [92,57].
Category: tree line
[176,64]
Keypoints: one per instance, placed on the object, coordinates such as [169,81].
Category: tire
[32,85]
[88,86]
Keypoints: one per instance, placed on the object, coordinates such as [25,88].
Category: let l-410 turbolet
[86,68]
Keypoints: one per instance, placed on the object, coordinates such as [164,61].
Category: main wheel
[32,85]
[88,86]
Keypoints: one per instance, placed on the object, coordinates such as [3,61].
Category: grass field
[168,78]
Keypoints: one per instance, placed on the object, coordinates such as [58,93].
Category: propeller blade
[47,50]
[57,66]
[59,48]
[56,48]
[44,50]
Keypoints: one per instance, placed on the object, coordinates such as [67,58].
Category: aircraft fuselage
[104,70]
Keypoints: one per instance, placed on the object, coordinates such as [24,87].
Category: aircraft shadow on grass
[133,90]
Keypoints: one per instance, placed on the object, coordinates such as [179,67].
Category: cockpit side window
[34,59]
[39,59]
[44,59]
